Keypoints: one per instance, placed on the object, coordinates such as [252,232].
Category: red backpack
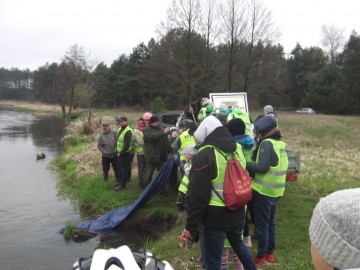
[237,188]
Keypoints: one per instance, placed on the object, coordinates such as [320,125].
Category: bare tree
[234,27]
[332,40]
[261,28]
[61,86]
[184,14]
[80,64]
[209,27]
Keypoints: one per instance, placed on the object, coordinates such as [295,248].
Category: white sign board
[230,99]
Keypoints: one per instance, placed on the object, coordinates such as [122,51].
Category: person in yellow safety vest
[236,112]
[188,154]
[270,163]
[184,139]
[138,141]
[192,111]
[124,151]
[204,206]
[206,110]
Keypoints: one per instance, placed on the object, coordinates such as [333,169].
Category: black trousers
[124,168]
[106,161]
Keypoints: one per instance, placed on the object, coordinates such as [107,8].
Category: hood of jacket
[246,142]
[221,139]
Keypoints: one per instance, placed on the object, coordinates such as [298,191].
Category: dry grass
[31,105]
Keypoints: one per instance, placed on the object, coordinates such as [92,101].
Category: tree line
[203,46]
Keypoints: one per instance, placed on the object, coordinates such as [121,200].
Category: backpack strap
[227,159]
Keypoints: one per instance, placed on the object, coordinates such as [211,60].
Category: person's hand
[183,237]
[185,234]
[191,110]
[174,134]
[166,130]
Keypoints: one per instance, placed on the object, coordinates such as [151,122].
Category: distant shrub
[157,105]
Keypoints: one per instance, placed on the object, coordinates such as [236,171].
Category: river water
[31,211]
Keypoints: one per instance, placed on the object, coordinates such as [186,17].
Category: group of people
[225,234]
[147,141]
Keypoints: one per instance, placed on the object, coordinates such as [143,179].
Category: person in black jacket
[218,222]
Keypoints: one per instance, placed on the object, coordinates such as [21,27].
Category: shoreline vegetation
[330,159]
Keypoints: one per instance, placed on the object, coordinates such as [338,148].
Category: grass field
[329,148]
[329,151]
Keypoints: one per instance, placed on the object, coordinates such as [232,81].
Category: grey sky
[34,32]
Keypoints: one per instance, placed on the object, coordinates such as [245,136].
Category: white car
[305,111]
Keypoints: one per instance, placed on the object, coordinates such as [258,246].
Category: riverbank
[30,106]
[329,161]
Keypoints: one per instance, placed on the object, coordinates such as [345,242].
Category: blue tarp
[113,218]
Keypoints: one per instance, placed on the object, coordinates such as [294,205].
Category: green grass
[69,230]
[329,152]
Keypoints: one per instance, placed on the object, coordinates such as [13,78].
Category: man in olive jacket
[204,206]
[107,145]
[156,145]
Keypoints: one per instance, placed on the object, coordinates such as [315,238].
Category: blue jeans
[214,243]
[265,227]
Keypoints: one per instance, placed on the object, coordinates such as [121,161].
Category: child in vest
[189,153]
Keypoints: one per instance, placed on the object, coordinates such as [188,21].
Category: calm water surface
[31,212]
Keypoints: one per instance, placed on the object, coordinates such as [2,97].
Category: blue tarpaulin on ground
[112,219]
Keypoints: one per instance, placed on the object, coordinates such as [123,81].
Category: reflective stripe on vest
[272,183]
[218,182]
[120,142]
[183,187]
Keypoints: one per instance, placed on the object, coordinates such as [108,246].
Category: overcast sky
[34,32]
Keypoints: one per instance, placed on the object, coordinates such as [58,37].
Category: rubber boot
[106,176]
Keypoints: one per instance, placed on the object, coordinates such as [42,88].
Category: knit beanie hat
[208,125]
[147,116]
[236,126]
[153,119]
[335,228]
